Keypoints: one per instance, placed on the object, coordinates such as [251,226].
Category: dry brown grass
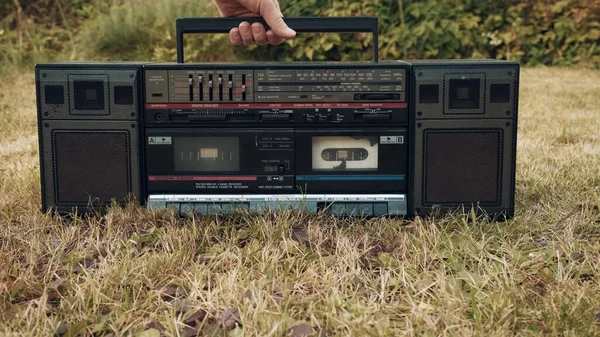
[136,272]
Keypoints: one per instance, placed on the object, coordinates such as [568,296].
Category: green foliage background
[533,32]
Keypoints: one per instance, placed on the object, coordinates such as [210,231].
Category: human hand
[256,34]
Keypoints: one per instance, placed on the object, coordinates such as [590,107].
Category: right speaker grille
[462,166]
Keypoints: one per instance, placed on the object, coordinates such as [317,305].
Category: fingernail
[256,29]
[290,32]
[245,28]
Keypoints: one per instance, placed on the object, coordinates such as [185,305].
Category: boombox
[390,138]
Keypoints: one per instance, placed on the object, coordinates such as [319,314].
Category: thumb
[272,15]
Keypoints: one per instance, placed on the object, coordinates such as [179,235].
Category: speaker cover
[464,163]
[91,164]
[464,121]
[467,160]
[89,125]
[87,164]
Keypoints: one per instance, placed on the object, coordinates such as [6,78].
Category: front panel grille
[123,94]
[54,95]
[462,166]
[96,93]
[500,93]
[463,163]
[465,92]
[91,166]
[87,162]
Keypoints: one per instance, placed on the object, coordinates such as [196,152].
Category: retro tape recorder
[368,139]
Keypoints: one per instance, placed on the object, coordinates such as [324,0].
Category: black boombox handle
[299,24]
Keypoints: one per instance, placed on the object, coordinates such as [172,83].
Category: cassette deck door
[218,161]
[351,160]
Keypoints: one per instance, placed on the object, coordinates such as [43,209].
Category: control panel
[325,94]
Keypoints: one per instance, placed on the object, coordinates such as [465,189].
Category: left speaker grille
[91,166]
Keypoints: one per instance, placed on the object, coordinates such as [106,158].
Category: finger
[246,33]
[259,34]
[274,19]
[274,39]
[235,37]
[269,10]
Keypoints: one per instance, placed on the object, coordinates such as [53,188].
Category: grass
[136,272]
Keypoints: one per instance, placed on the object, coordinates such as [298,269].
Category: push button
[243,206]
[175,206]
[353,209]
[262,208]
[186,209]
[380,208]
[338,209]
[214,208]
[309,118]
[366,209]
[201,208]
[324,118]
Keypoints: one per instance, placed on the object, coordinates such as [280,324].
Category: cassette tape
[207,154]
[345,153]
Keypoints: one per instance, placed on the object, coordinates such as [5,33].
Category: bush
[533,32]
